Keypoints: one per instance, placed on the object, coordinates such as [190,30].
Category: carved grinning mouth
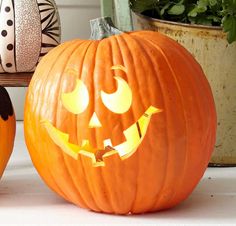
[134,136]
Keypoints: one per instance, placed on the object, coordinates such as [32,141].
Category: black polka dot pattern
[7,36]
[4,33]
[10,47]
[9,65]
[9,22]
[7,9]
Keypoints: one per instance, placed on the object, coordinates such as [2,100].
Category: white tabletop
[26,200]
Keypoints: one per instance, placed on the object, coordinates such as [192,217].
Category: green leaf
[228,23]
[176,9]
[202,4]
[213,18]
[165,7]
[206,12]
[212,2]
[203,20]
[198,10]
[230,4]
[193,13]
[140,6]
[229,26]
[201,7]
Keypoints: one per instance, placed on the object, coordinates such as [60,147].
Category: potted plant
[207,28]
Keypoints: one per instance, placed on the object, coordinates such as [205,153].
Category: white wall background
[75,16]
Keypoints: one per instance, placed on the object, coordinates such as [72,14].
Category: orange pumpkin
[7,128]
[125,124]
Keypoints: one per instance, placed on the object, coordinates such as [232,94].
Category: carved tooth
[84,142]
[87,146]
[107,142]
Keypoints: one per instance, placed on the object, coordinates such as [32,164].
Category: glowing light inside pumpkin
[94,121]
[120,101]
[134,136]
[77,100]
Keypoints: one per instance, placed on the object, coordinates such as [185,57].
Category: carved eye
[77,100]
[120,101]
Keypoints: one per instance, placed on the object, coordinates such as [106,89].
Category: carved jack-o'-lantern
[7,128]
[28,30]
[122,125]
[118,103]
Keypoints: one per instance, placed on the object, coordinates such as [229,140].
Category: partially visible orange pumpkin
[77,118]
[7,128]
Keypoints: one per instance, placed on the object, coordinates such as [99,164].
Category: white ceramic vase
[28,30]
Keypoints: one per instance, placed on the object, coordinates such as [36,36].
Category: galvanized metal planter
[218,60]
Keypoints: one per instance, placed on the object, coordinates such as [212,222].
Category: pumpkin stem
[103,27]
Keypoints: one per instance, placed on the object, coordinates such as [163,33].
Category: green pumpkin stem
[103,27]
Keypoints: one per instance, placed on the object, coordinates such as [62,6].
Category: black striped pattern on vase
[50,22]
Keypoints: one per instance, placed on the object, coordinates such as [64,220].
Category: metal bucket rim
[179,23]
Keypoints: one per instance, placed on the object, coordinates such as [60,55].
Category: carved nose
[94,121]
